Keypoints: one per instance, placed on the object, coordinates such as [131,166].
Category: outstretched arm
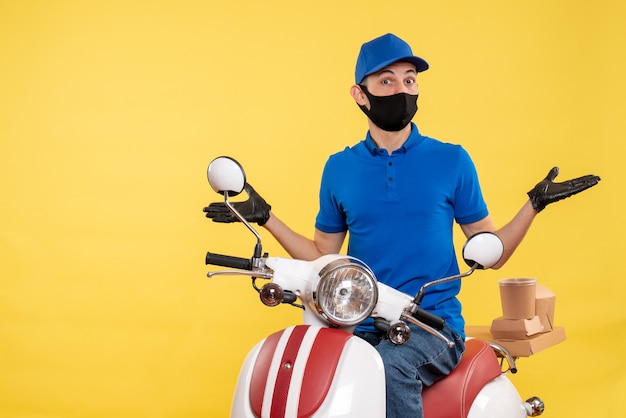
[301,247]
[544,193]
[256,209]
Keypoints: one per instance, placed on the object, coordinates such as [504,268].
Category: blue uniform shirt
[399,212]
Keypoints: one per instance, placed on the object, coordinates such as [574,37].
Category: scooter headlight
[346,292]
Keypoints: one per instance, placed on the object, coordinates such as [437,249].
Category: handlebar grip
[429,319]
[381,324]
[228,261]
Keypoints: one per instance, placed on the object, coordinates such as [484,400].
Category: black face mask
[390,113]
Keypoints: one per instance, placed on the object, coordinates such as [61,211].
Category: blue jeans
[422,360]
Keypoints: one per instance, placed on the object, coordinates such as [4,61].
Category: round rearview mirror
[225,174]
[483,250]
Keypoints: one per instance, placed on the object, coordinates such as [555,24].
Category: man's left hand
[547,191]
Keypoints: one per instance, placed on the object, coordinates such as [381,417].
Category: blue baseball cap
[383,51]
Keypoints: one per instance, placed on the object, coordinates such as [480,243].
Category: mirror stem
[420,294]
[257,249]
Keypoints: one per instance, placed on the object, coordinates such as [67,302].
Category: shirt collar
[413,139]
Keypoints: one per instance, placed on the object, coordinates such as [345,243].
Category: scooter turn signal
[271,294]
[399,332]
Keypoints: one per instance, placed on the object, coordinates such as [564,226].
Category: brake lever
[249,273]
[429,329]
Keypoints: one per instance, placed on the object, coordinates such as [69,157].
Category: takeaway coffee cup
[518,298]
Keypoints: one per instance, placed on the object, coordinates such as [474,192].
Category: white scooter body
[357,387]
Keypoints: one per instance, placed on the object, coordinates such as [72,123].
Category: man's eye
[410,81]
[386,81]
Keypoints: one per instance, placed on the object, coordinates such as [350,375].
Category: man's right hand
[255,209]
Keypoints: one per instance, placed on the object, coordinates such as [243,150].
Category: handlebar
[429,319]
[228,261]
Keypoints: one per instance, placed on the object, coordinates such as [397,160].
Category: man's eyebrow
[386,70]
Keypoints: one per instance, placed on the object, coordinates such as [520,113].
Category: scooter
[319,368]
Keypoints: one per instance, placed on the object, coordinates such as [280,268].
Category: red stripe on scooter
[281,390]
[320,369]
[261,371]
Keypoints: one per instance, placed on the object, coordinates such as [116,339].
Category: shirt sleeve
[470,205]
[330,218]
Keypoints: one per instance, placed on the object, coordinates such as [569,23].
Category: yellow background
[111,110]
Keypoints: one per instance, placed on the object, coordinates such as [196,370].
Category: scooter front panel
[308,371]
[294,370]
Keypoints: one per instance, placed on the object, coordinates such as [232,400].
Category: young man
[398,193]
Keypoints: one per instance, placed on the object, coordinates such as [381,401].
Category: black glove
[255,209]
[546,191]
